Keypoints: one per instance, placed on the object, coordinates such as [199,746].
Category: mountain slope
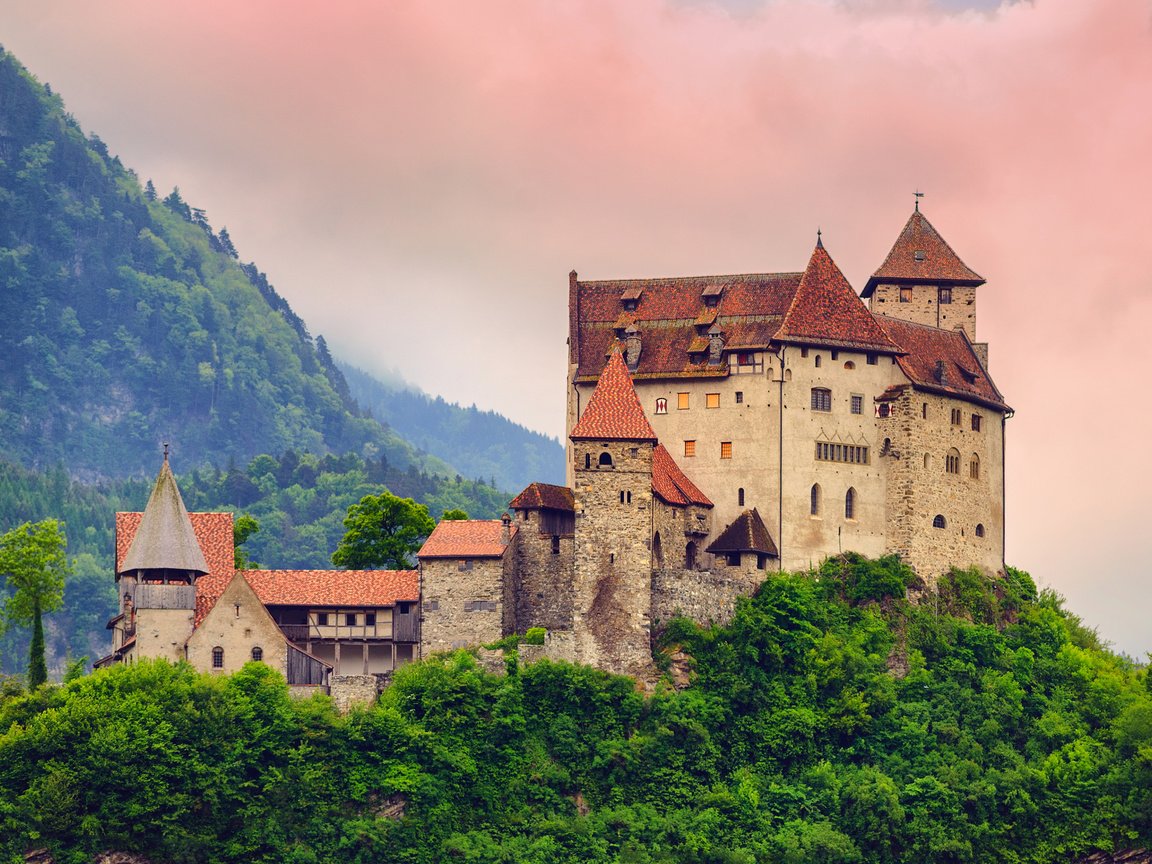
[480,444]
[126,321]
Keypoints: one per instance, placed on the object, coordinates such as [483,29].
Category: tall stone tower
[612,446]
[157,579]
[922,280]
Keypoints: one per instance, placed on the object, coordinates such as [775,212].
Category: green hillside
[126,320]
[1008,735]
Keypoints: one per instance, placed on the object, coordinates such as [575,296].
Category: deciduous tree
[383,531]
[33,566]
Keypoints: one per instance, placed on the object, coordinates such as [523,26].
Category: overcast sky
[417,179]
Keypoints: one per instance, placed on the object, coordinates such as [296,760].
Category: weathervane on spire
[819,242]
[918,194]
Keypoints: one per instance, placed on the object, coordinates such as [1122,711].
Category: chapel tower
[157,578]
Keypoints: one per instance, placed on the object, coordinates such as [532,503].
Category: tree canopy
[384,531]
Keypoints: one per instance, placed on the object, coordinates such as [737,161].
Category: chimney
[505,529]
[715,345]
[939,373]
[632,347]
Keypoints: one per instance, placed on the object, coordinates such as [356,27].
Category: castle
[718,428]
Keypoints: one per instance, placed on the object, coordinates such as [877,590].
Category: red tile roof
[213,533]
[747,533]
[671,484]
[670,314]
[942,361]
[466,538]
[613,412]
[544,495]
[938,263]
[826,311]
[334,587]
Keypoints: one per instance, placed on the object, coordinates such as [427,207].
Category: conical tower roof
[614,413]
[165,539]
[826,311]
[922,255]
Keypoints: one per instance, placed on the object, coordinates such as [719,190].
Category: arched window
[217,657]
[927,461]
[980,530]
[257,653]
[605,459]
[817,361]
[814,508]
[939,522]
[690,556]
[657,550]
[974,467]
[740,497]
[848,364]
[850,504]
[661,406]
[787,375]
[952,461]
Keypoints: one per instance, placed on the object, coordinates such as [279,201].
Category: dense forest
[299,500]
[832,721]
[479,443]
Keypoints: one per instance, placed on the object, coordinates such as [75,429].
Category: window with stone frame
[217,657]
[257,654]
[974,467]
[952,461]
[957,415]
[850,504]
[690,447]
[814,500]
[945,295]
[976,422]
[857,403]
[739,397]
[725,449]
[821,399]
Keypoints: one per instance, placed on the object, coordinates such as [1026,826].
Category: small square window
[872,359]
[906,294]
[369,619]
[690,448]
[682,401]
[725,449]
[711,400]
[976,422]
[350,619]
[857,403]
[739,397]
[945,295]
[321,619]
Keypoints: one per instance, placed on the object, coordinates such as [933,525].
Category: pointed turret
[826,311]
[165,540]
[923,280]
[614,413]
[921,256]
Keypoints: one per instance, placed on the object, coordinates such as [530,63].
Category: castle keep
[719,428]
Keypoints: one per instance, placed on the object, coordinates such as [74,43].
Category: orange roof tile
[826,311]
[213,533]
[613,412]
[671,484]
[922,255]
[334,587]
[942,361]
[544,495]
[466,538]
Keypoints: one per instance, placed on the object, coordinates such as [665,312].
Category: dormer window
[711,295]
[918,255]
[630,299]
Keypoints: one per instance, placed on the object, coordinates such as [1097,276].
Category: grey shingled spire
[165,539]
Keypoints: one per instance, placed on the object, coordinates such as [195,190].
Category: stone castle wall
[543,595]
[612,561]
[920,487]
[925,308]
[707,597]
[462,602]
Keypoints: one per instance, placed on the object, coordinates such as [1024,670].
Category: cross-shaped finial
[918,195]
[165,451]
[819,242]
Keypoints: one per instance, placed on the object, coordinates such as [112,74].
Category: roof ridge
[684,278]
